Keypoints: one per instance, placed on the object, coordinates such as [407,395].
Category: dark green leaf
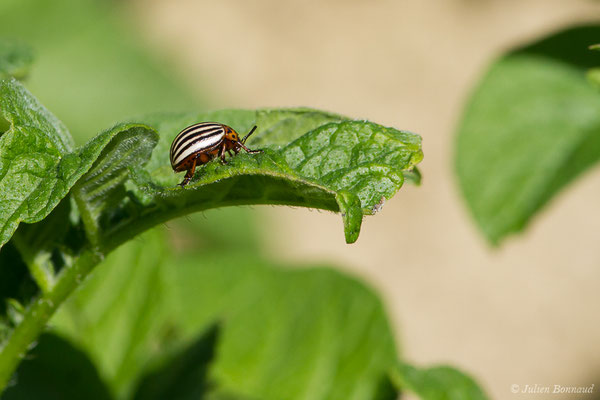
[184,376]
[56,370]
[34,239]
[15,59]
[15,282]
[16,287]
[532,126]
[437,383]
[344,166]
[283,333]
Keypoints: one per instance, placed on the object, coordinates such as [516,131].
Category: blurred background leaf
[280,333]
[531,126]
[15,59]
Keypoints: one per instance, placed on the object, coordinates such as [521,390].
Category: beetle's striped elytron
[200,143]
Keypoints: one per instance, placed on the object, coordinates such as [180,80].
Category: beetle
[199,143]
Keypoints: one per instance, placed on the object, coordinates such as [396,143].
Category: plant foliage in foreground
[232,327]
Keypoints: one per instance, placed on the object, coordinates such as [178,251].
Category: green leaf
[15,59]
[280,333]
[27,116]
[531,127]
[102,188]
[279,342]
[38,166]
[343,166]
[278,127]
[437,383]
[56,370]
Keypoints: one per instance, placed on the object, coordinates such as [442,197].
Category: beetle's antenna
[251,132]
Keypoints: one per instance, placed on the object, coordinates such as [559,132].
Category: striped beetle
[200,143]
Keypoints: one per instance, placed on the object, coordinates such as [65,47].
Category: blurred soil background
[524,313]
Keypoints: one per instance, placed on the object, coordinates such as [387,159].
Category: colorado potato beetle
[198,144]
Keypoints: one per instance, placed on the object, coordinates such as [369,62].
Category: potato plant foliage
[63,208]
[215,326]
[531,127]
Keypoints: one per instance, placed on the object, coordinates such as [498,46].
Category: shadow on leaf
[55,369]
[185,375]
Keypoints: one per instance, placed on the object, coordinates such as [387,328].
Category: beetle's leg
[222,153]
[229,152]
[189,174]
[248,150]
[186,179]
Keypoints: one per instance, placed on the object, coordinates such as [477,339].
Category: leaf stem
[42,271]
[89,222]
[39,312]
[39,264]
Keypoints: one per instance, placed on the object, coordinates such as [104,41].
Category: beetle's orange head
[232,135]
